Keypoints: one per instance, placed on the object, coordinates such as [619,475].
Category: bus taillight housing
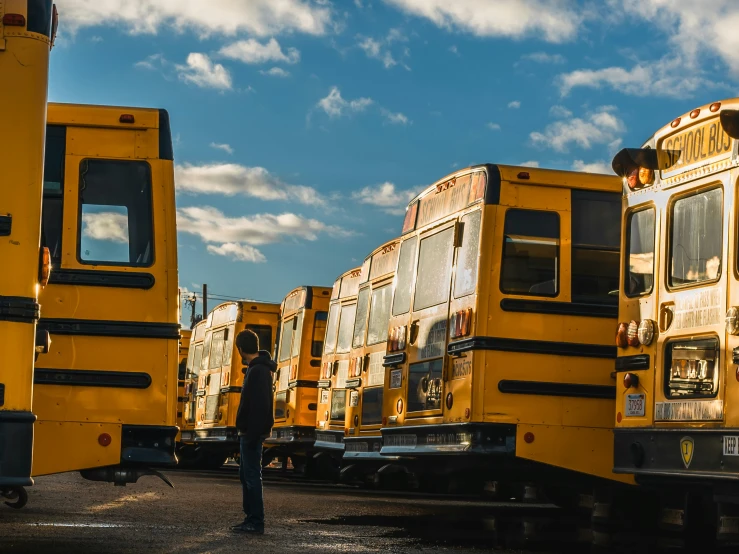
[327,370]
[355,367]
[397,338]
[460,323]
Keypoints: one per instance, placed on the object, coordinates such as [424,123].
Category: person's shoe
[237,528]
[248,528]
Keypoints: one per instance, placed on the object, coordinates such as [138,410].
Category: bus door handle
[666,315]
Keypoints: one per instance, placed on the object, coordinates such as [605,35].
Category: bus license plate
[634,405]
[731,446]
[396,378]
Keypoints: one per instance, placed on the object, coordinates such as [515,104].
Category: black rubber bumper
[222,435]
[294,435]
[16,448]
[455,438]
[332,441]
[148,445]
[683,455]
[363,448]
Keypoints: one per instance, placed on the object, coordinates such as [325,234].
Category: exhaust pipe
[121,476]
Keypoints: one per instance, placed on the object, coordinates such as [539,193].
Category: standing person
[254,421]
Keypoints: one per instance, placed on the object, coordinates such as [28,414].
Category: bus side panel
[62,446]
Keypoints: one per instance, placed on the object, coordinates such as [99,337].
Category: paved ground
[67,514]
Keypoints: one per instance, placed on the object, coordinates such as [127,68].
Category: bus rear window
[434,270]
[640,253]
[346,328]
[338,404]
[333,324]
[39,17]
[360,323]
[197,357]
[695,238]
[465,280]
[216,349]
[406,262]
[379,315]
[286,339]
[530,253]
[372,406]
[115,213]
[297,335]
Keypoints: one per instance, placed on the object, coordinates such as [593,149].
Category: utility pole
[205,301]
[193,301]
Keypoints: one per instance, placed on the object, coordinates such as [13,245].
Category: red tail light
[126,118]
[397,338]
[14,20]
[622,340]
[631,380]
[460,323]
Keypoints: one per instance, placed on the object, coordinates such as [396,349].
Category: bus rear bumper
[330,441]
[221,435]
[16,448]
[363,448]
[686,455]
[294,435]
[148,445]
[470,439]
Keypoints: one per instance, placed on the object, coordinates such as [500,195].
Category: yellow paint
[62,446]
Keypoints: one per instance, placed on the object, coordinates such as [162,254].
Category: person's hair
[247,342]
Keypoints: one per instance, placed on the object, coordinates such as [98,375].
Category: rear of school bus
[222,375]
[25,40]
[366,379]
[332,392]
[298,355]
[185,336]
[186,451]
[106,393]
[678,333]
[500,349]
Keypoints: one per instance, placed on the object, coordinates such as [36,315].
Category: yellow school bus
[332,392]
[500,354]
[366,378]
[678,330]
[27,29]
[186,448]
[303,314]
[222,374]
[185,336]
[106,392]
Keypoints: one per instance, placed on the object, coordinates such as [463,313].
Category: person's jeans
[250,473]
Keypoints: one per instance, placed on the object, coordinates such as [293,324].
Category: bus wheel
[17,495]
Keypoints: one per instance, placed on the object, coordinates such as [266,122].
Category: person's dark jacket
[255,417]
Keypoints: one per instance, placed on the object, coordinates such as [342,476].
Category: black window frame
[54,132]
[79,215]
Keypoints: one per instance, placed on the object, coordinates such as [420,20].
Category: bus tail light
[126,118]
[460,323]
[327,370]
[632,334]
[645,332]
[631,380]
[640,177]
[397,338]
[44,267]
[732,321]
[14,20]
[622,340]
[409,223]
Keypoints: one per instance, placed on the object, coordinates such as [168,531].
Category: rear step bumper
[453,438]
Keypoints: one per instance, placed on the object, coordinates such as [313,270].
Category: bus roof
[303,298]
[228,312]
[347,284]
[372,270]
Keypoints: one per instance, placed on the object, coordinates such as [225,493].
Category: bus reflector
[449,401]
[14,20]
[631,380]
[399,405]
[44,269]
[716,106]
[675,123]
[409,223]
[396,338]
[126,118]
[529,437]
[524,175]
[104,439]
[695,113]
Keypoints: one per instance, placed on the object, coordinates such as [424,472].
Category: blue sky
[302,127]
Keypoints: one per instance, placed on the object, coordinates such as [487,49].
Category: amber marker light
[675,123]
[399,405]
[449,401]
[622,340]
[716,106]
[632,333]
[695,113]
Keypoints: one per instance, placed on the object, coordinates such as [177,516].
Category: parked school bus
[185,336]
[500,349]
[27,30]
[366,377]
[303,313]
[677,424]
[222,374]
[332,393]
[106,392]
[187,452]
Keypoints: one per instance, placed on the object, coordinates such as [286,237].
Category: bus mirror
[629,159]
[730,122]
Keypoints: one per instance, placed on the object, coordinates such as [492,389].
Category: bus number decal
[462,368]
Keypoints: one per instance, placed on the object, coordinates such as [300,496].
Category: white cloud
[543,57]
[386,197]
[374,49]
[225,147]
[666,77]
[216,228]
[201,71]
[153,62]
[493,126]
[592,167]
[552,20]
[335,106]
[454,50]
[559,111]
[276,72]
[252,51]
[235,179]
[110,226]
[598,127]
[240,252]
[530,163]
[395,118]
[226,17]
[514,105]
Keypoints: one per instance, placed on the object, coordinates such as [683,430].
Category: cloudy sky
[302,127]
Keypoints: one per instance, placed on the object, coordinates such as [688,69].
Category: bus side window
[115,213]
[51,223]
[319,332]
[530,253]
[596,240]
[360,321]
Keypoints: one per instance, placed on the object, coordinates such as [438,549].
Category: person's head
[247,342]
